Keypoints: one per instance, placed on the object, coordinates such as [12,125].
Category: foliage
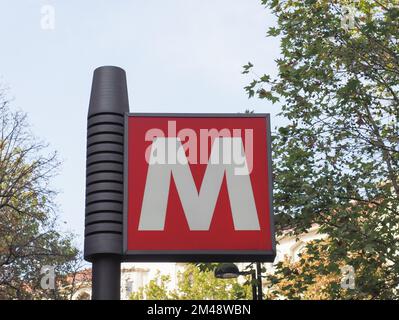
[312,277]
[156,289]
[193,284]
[29,239]
[336,162]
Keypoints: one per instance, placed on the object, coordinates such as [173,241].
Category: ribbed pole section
[104,180]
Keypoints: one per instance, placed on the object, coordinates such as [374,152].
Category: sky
[179,56]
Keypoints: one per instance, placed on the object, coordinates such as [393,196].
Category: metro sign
[198,188]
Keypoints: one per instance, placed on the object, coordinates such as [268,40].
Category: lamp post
[230,271]
[104,180]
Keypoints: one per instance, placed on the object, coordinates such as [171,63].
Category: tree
[156,289]
[309,278]
[29,239]
[336,162]
[193,284]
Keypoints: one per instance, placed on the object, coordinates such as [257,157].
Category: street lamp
[230,271]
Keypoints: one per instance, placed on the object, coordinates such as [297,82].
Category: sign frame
[198,255]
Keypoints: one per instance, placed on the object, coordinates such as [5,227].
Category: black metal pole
[259,280]
[104,180]
[253,285]
[106,278]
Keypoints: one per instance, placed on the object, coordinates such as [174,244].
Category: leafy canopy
[336,162]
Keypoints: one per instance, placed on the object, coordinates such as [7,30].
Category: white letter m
[198,206]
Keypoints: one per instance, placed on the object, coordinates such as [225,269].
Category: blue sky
[179,55]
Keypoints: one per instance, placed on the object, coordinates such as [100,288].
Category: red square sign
[198,188]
